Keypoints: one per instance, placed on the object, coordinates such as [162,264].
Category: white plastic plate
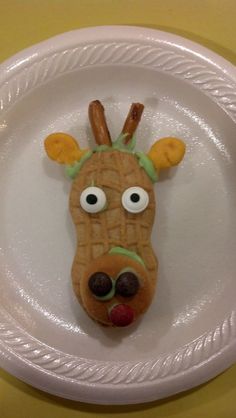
[188,334]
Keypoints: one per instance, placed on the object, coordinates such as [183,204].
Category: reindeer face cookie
[112,204]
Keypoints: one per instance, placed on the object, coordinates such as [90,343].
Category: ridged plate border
[36,353]
[19,78]
[49,66]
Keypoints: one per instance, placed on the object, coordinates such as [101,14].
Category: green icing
[124,251]
[73,170]
[124,270]
[120,145]
[143,160]
[146,163]
[101,148]
[126,151]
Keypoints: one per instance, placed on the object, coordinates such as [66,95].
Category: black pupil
[134,197]
[91,199]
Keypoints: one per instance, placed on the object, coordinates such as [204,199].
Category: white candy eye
[93,199]
[135,199]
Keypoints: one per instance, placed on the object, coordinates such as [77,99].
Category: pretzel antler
[98,123]
[132,120]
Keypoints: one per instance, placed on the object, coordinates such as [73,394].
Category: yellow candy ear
[63,148]
[167,152]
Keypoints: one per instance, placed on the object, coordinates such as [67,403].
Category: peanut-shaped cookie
[112,204]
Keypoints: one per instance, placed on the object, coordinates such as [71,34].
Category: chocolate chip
[127,284]
[100,283]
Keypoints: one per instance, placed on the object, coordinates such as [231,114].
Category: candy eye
[135,199]
[93,199]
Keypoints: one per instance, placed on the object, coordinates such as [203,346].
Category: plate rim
[119,394]
[227,352]
[140,32]
[215,86]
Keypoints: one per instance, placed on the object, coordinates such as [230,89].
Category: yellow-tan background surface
[211,23]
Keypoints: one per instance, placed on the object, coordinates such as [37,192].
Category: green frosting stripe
[102,148]
[120,144]
[143,160]
[147,165]
[72,170]
[128,253]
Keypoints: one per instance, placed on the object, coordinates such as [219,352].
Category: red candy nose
[121,315]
